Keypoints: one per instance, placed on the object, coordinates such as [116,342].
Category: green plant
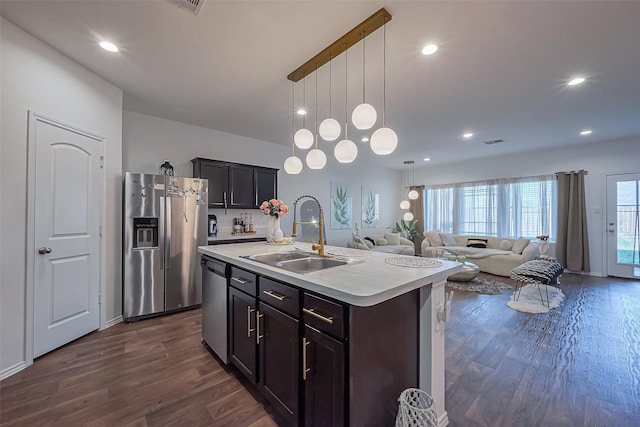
[341,206]
[370,209]
[408,231]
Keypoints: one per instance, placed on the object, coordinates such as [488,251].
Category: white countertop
[228,235]
[369,282]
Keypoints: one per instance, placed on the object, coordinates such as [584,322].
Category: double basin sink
[298,261]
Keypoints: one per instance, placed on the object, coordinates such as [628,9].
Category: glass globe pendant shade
[329,129]
[413,194]
[293,165]
[303,138]
[384,141]
[316,159]
[408,216]
[346,151]
[404,204]
[364,116]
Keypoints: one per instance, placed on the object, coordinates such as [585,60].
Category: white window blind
[510,207]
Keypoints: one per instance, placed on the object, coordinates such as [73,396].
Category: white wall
[600,159]
[149,140]
[36,77]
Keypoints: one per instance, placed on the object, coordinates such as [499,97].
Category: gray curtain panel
[572,245]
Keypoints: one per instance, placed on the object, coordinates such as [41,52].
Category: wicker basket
[417,409]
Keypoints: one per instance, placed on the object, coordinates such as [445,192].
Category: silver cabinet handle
[241,281]
[312,312]
[272,294]
[44,250]
[305,343]
[258,336]
[249,328]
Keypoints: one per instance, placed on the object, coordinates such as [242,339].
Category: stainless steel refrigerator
[165,220]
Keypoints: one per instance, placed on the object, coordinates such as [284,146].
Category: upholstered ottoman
[537,272]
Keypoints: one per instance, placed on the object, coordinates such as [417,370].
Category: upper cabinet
[236,186]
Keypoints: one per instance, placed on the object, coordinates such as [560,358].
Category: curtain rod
[569,173]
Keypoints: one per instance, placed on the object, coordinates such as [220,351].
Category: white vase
[543,247]
[274,233]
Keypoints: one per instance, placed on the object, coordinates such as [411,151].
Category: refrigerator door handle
[168,203]
[161,231]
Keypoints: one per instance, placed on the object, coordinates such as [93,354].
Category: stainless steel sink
[311,264]
[276,257]
[298,261]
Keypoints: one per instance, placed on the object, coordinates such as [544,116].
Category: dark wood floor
[578,365]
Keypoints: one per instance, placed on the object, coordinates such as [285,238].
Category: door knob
[611,223]
[44,250]
[611,230]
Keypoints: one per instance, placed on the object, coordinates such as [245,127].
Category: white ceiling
[501,70]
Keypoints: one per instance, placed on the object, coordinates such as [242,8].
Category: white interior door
[67,211]
[623,227]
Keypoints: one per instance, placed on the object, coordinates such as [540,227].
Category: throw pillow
[477,243]
[505,245]
[519,245]
[448,240]
[381,241]
[361,244]
[433,237]
[393,239]
[369,244]
[370,240]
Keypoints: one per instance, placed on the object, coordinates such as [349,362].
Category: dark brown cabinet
[236,186]
[279,344]
[324,379]
[242,333]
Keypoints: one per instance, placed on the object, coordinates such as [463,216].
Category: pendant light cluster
[412,194]
[383,141]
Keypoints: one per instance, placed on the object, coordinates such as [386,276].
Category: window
[511,207]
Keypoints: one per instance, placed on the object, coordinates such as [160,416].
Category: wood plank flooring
[578,365]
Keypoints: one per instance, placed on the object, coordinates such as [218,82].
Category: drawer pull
[275,295]
[241,281]
[249,328]
[258,317]
[311,311]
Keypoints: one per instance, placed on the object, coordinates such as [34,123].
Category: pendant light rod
[316,120]
[330,86]
[346,92]
[293,118]
[384,73]
[359,32]
[364,47]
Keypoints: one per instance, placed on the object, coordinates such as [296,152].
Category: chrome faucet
[320,246]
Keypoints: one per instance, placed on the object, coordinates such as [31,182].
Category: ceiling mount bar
[358,33]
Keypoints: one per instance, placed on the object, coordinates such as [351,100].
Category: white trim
[34,118]
[443,419]
[7,372]
[112,322]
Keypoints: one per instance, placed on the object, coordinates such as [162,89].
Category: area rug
[482,286]
[529,300]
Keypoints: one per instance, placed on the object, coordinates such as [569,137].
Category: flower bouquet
[275,209]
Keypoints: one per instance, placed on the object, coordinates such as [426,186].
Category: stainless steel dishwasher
[214,306]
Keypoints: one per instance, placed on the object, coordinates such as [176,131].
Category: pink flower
[280,213]
[267,211]
[274,202]
[264,205]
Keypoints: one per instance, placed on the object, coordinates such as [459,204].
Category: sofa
[493,255]
[389,243]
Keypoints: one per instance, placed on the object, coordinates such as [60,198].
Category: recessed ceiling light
[301,112]
[586,132]
[365,139]
[576,81]
[426,159]
[109,46]
[429,49]
[467,135]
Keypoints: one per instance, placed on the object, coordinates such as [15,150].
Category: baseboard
[6,373]
[586,273]
[112,322]
[443,419]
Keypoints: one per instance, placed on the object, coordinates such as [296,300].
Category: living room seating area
[389,243]
[494,255]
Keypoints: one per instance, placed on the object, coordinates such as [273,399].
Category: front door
[67,209]
[623,227]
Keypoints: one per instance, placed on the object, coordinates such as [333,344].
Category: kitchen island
[345,340]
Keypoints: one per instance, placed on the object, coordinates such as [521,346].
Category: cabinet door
[266,183]
[242,333]
[324,379]
[279,361]
[218,175]
[241,189]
